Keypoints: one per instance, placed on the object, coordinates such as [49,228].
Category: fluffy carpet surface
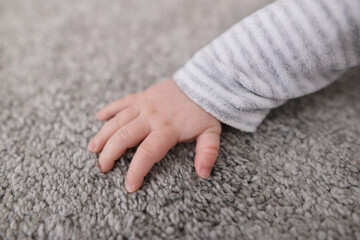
[61,61]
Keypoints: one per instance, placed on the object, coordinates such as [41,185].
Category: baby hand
[159,117]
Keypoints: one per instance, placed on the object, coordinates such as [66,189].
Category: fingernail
[92,145]
[205,172]
[129,187]
[99,165]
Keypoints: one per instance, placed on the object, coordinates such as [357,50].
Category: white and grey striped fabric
[286,50]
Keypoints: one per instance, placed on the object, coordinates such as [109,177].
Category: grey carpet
[61,61]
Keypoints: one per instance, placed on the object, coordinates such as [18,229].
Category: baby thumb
[207,150]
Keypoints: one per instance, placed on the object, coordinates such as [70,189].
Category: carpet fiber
[61,61]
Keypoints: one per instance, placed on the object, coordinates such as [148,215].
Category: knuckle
[168,132]
[147,152]
[211,151]
[118,119]
[166,123]
[123,134]
[152,111]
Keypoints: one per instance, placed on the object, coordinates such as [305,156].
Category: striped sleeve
[286,50]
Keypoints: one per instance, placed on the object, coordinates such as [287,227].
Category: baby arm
[283,51]
[286,50]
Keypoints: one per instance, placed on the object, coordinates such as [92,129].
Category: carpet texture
[61,61]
